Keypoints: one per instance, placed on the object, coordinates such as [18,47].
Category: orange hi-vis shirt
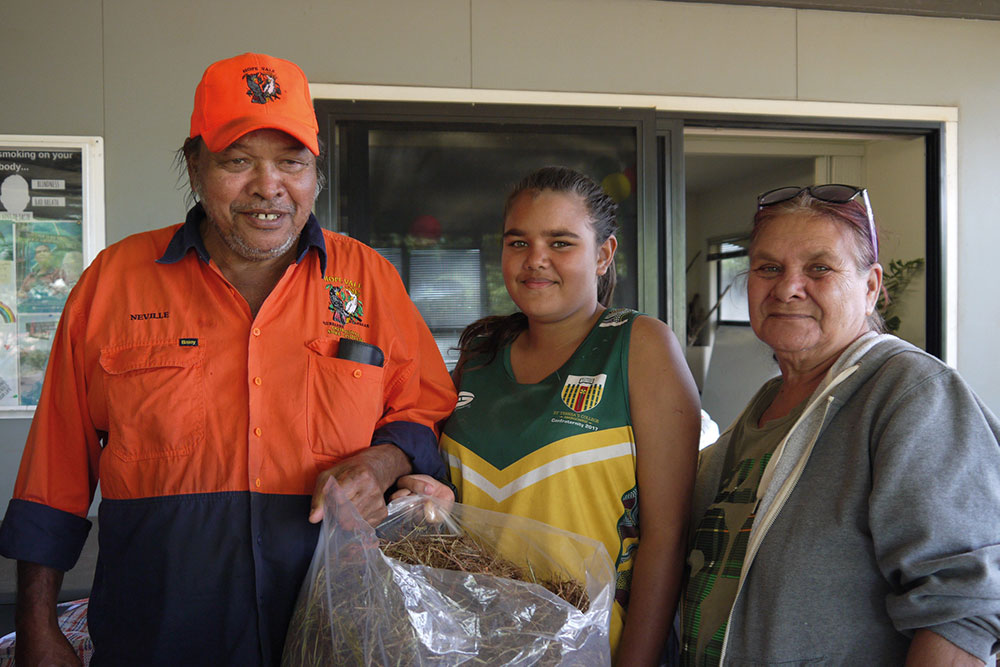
[207,428]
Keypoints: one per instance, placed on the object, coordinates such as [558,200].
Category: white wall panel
[633,47]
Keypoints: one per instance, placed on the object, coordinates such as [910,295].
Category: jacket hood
[867,354]
[853,368]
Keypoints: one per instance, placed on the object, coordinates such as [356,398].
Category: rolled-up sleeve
[935,512]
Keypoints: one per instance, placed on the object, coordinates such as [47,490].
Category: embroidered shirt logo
[583,392]
[345,305]
[262,87]
[464,398]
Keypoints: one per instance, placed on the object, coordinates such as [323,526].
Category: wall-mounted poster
[51,227]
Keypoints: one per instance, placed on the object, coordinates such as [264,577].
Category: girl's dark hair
[852,215]
[489,334]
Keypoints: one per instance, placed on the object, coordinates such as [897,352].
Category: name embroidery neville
[149,316]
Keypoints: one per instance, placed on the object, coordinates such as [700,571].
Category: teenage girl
[575,414]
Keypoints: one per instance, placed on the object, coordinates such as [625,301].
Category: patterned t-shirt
[561,451]
[722,534]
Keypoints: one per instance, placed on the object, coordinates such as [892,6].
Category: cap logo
[253,92]
[262,87]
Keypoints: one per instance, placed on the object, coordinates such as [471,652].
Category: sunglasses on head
[832,193]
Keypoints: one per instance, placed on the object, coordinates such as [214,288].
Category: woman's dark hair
[852,214]
[489,334]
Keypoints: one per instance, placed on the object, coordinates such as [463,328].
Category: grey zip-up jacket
[878,515]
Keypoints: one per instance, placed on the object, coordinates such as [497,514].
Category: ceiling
[963,9]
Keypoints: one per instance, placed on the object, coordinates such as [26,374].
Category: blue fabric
[41,534]
[218,588]
[419,444]
[189,236]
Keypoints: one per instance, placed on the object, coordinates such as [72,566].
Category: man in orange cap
[213,375]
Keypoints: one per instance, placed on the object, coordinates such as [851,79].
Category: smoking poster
[41,258]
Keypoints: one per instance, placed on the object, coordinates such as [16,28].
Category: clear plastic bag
[359,607]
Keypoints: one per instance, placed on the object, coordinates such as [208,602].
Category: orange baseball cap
[253,92]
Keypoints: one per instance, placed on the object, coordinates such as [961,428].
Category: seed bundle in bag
[449,584]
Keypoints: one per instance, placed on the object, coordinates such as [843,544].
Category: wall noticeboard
[51,227]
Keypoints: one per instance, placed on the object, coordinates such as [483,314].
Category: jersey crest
[583,392]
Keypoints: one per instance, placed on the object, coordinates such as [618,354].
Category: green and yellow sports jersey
[561,451]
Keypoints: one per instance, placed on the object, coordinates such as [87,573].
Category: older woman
[851,514]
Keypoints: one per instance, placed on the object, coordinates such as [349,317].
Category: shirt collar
[189,236]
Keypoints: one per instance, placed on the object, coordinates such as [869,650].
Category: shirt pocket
[156,398]
[343,401]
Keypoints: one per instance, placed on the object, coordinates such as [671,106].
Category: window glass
[731,267]
[733,289]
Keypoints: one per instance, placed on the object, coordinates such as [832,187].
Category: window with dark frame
[428,194]
[732,262]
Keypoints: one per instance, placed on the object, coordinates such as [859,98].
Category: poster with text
[41,184]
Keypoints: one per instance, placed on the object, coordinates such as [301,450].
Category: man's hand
[39,639]
[36,646]
[364,478]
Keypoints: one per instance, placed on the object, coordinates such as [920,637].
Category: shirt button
[257,482]
[257,431]
[357,373]
[256,331]
[257,381]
